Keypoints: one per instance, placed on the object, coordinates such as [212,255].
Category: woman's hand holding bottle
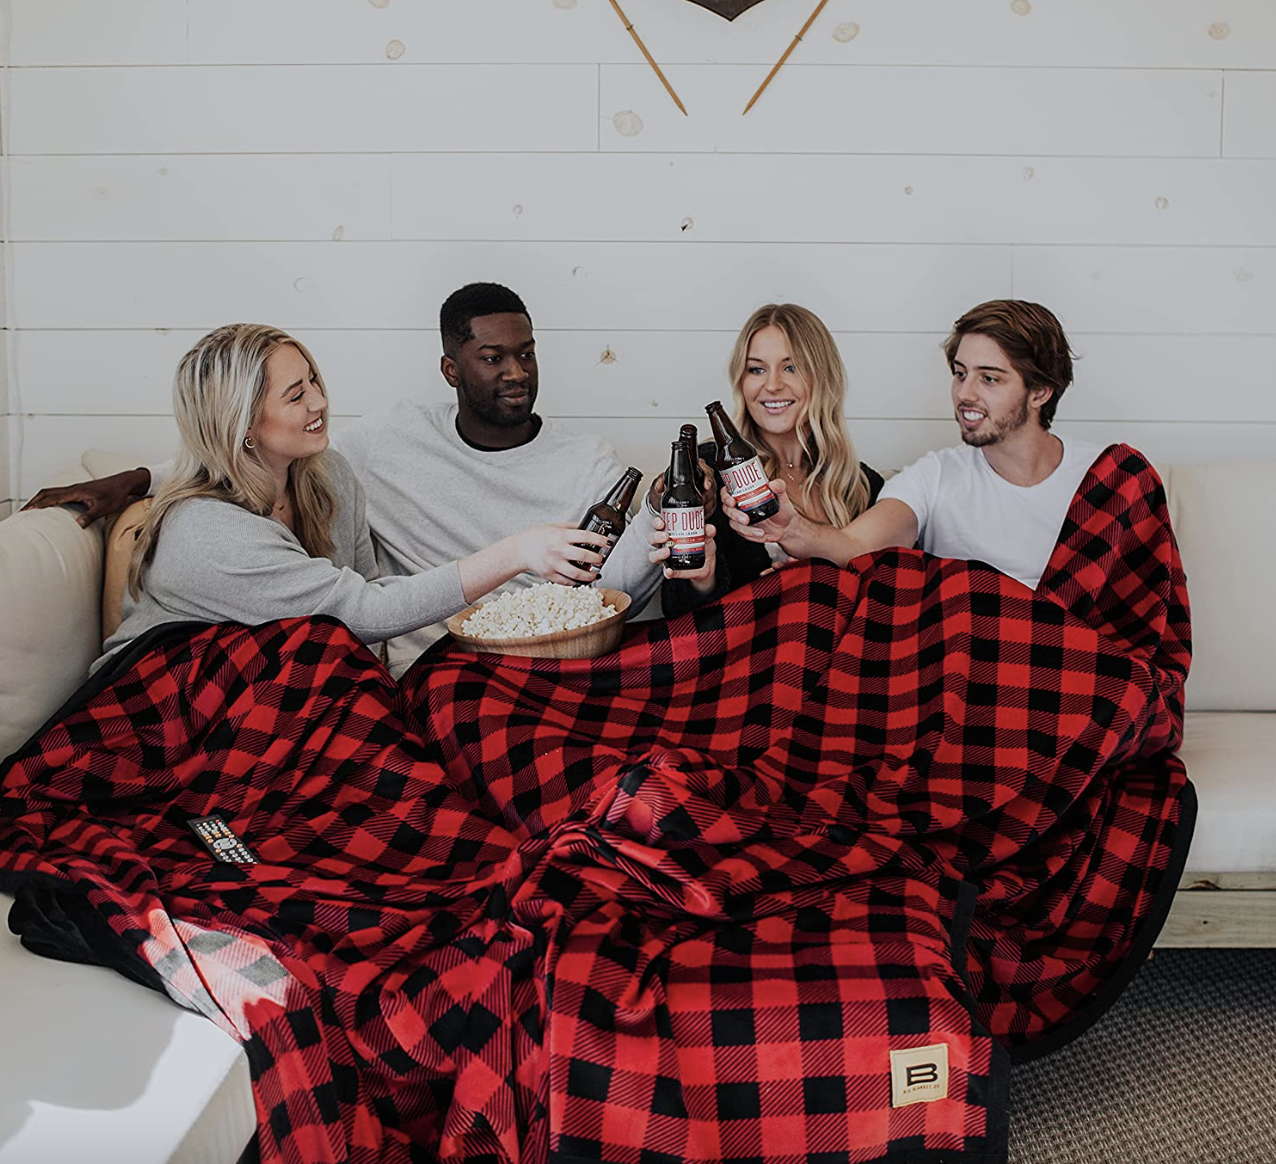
[557,552]
[787,528]
[703,579]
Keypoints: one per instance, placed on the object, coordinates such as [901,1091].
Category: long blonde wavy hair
[834,478]
[218,395]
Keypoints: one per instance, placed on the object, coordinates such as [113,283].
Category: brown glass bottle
[682,508]
[740,468]
[609,515]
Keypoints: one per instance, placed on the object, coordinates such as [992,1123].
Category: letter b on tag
[919,1075]
[925,1073]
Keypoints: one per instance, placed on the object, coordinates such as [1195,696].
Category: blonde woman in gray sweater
[260,520]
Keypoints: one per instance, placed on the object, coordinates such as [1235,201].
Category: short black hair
[461,308]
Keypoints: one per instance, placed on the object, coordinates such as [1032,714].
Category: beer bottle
[687,434]
[682,508]
[608,516]
[740,468]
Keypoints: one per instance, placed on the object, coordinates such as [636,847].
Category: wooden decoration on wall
[729,10]
[810,20]
[629,28]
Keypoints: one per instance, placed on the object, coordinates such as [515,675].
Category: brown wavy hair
[1032,339]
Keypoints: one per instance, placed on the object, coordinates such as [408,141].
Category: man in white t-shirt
[1001,495]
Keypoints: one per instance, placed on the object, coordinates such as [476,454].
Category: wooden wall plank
[847,198]
[1249,115]
[89,32]
[917,110]
[1094,33]
[8,486]
[54,443]
[368,108]
[619,373]
[1191,378]
[577,285]
[1170,290]
[239,197]
[718,198]
[321,109]
[4,377]
[1134,33]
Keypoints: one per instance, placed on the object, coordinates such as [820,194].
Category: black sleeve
[875,482]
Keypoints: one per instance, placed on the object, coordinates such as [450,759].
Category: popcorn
[537,610]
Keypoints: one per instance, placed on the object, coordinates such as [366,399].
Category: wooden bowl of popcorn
[545,621]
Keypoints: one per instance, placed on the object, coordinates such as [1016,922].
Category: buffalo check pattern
[677,904]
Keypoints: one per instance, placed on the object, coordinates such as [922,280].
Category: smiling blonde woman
[260,520]
[788,384]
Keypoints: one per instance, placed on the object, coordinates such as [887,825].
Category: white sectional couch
[95,1067]
[1225,519]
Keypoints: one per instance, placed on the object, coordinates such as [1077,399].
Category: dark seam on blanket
[997,1107]
[1149,931]
[959,936]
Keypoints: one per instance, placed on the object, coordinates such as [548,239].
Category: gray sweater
[433,498]
[216,562]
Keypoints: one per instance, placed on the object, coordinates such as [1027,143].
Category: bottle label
[747,484]
[685,530]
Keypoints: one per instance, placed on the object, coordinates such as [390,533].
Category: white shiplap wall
[175,165]
[8,429]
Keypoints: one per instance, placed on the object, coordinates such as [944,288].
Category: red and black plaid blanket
[789,878]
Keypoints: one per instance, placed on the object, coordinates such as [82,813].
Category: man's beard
[488,411]
[999,431]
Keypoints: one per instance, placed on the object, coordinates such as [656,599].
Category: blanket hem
[41,935]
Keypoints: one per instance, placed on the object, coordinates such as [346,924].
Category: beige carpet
[1182,1070]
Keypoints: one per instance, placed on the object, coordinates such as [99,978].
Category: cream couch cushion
[1225,520]
[1231,759]
[50,596]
